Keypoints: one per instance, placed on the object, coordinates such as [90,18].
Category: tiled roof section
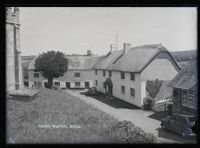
[186,78]
[75,62]
[133,60]
[108,60]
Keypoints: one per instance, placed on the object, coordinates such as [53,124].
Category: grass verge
[57,117]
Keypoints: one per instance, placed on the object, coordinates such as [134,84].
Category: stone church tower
[13,53]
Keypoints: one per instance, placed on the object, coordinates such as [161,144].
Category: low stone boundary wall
[23,94]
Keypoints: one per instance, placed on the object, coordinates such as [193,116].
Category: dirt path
[137,116]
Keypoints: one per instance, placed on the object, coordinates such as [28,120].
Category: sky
[78,29]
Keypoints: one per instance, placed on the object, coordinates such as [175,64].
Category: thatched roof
[75,62]
[107,61]
[186,78]
[90,62]
[133,60]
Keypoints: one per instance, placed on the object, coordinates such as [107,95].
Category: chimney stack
[126,46]
[112,47]
[89,52]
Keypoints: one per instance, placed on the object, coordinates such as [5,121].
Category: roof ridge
[147,46]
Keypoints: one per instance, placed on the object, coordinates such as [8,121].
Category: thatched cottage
[131,67]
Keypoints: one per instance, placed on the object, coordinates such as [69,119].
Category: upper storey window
[36,75]
[122,75]
[77,74]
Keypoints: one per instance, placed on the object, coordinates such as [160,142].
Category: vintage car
[92,91]
[179,123]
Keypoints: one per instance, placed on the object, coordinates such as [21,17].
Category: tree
[51,65]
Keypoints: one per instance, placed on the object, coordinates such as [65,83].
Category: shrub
[127,132]
[170,109]
[148,103]
[153,87]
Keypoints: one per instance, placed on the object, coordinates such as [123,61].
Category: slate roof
[133,60]
[186,78]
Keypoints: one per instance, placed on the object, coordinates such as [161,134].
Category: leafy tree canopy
[51,65]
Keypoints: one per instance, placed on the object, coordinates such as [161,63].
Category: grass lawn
[58,111]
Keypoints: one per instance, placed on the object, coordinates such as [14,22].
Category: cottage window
[36,75]
[123,89]
[132,76]
[104,73]
[96,73]
[77,83]
[57,83]
[110,73]
[77,74]
[122,75]
[96,82]
[132,92]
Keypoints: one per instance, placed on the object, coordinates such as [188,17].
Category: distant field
[57,111]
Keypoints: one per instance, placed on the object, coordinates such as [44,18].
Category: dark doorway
[26,84]
[87,85]
[45,84]
[68,85]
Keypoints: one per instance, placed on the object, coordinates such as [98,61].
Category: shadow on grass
[163,133]
[159,115]
[114,102]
